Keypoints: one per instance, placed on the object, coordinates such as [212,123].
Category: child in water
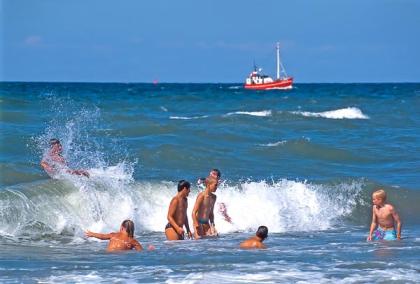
[118,241]
[384,218]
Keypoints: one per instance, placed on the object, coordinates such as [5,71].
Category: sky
[209,41]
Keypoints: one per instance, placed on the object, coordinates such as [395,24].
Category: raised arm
[373,224]
[100,236]
[397,220]
[171,212]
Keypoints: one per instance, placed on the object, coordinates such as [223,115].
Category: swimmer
[53,162]
[257,241]
[119,241]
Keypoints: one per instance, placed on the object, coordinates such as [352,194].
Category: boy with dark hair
[257,241]
[177,213]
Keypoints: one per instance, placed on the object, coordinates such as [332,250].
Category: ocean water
[303,162]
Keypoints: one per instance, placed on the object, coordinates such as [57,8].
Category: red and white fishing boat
[258,81]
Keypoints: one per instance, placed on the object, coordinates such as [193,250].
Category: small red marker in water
[155,82]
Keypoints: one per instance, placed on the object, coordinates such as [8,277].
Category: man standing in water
[53,162]
[201,182]
[177,213]
[203,212]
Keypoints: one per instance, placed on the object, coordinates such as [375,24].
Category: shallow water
[302,162]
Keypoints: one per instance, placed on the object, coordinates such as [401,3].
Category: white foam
[262,113]
[344,113]
[275,144]
[188,118]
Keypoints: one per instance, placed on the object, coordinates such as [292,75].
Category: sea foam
[344,113]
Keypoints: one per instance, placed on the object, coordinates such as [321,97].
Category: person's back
[256,242]
[118,241]
[121,241]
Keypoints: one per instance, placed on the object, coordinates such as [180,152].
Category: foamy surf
[101,205]
[344,113]
[188,117]
[262,113]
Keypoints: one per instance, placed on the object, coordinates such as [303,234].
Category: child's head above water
[380,194]
[128,225]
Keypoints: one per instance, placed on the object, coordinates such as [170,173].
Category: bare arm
[100,236]
[398,221]
[373,224]
[171,212]
[197,205]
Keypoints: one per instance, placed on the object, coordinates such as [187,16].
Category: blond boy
[384,219]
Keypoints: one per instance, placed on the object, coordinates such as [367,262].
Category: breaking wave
[344,113]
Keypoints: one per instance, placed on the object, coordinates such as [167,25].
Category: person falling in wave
[384,218]
[53,162]
[119,241]
[177,213]
[257,241]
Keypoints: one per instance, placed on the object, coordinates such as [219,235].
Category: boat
[258,81]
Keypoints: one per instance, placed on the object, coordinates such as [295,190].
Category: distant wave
[278,143]
[252,113]
[187,118]
[234,87]
[343,113]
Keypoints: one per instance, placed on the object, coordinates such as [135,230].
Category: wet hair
[217,172]
[128,225]
[380,193]
[211,180]
[262,232]
[183,183]
[54,141]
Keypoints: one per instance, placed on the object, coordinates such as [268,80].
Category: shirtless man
[122,240]
[53,162]
[257,241]
[177,213]
[201,182]
[203,212]
[384,218]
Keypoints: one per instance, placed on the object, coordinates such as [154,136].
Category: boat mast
[278,60]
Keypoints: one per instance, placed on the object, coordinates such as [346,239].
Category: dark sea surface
[303,162]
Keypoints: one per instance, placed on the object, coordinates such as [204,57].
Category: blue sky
[209,41]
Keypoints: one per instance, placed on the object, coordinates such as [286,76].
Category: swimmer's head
[379,194]
[215,173]
[183,184]
[128,226]
[54,141]
[262,232]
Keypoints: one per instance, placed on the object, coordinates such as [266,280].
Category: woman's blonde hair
[380,193]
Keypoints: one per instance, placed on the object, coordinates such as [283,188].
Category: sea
[303,162]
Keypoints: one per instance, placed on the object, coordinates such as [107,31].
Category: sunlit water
[302,162]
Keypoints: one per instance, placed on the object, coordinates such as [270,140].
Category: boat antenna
[255,66]
[278,60]
[280,67]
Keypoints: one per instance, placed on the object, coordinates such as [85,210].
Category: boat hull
[278,84]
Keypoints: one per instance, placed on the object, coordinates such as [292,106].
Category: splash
[344,113]
[101,203]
